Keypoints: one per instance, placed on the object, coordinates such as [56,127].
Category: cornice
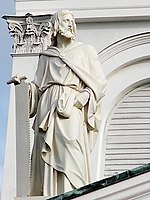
[90,11]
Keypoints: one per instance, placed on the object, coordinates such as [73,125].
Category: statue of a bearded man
[66,97]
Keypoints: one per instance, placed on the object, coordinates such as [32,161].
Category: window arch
[128,132]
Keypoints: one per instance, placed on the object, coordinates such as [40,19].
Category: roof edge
[103,183]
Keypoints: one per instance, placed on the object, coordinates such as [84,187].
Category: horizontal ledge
[87,11]
[119,18]
[20,18]
[24,54]
[93,16]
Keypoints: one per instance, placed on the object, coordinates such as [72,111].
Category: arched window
[128,132]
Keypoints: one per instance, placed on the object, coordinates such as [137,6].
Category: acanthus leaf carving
[32,34]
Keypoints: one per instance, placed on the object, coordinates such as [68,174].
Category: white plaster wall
[9,171]
[102,34]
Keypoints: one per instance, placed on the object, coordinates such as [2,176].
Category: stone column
[32,34]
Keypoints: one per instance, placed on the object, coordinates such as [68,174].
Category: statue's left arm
[96,85]
[96,71]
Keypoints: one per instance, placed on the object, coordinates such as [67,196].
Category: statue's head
[63,22]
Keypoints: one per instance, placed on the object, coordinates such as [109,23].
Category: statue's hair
[56,20]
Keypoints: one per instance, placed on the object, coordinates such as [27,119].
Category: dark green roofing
[103,183]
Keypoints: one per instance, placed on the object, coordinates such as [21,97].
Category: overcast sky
[7,7]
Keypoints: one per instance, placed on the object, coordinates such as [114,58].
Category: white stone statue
[65,97]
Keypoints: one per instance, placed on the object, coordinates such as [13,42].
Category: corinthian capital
[32,34]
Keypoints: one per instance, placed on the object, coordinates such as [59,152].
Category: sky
[7,7]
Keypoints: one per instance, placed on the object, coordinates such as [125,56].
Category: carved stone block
[32,34]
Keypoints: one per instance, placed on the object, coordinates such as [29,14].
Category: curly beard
[68,33]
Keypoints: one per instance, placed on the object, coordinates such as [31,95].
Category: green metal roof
[103,183]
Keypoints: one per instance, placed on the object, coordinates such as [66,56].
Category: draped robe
[64,134]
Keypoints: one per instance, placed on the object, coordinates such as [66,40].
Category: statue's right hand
[16,79]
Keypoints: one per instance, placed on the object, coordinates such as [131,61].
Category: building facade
[119,31]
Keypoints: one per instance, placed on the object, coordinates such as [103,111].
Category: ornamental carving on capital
[32,34]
